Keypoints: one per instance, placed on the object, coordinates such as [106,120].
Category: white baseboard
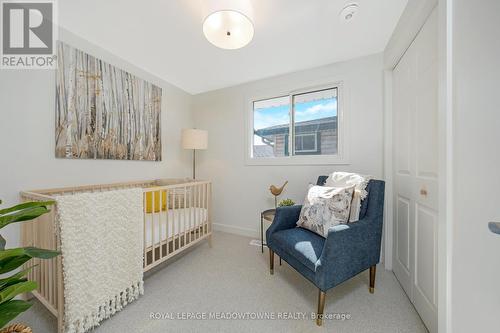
[231,229]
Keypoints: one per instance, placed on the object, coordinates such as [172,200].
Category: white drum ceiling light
[228,24]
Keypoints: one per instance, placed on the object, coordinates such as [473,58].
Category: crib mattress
[174,220]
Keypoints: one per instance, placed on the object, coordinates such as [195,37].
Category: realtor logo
[28,34]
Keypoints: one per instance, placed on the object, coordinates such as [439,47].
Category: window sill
[297,160]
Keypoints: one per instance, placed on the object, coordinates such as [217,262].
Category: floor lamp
[194,139]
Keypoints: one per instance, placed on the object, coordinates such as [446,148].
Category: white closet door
[415,106]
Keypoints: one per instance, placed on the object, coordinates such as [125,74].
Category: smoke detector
[349,11]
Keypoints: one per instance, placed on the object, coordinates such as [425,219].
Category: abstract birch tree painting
[103,112]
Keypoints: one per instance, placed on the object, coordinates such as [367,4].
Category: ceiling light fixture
[348,12]
[228,24]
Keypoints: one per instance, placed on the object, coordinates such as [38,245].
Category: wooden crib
[177,215]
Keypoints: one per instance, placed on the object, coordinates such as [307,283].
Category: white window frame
[341,158]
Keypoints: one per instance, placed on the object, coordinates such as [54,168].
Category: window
[289,126]
[306,143]
[271,122]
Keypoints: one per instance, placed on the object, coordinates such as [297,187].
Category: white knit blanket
[102,253]
[346,179]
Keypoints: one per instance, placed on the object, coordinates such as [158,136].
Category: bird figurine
[277,191]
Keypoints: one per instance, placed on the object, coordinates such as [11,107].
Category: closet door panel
[404,106]
[415,165]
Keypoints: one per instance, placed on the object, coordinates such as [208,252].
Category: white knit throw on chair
[102,254]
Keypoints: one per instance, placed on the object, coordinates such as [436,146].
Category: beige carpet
[234,277]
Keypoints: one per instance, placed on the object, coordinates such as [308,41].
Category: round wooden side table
[267,215]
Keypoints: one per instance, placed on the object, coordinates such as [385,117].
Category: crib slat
[200,204]
[54,261]
[193,212]
[178,219]
[175,226]
[165,224]
[204,211]
[195,217]
[209,211]
[167,233]
[41,281]
[39,265]
[207,206]
[144,207]
[155,220]
[36,275]
[184,210]
[193,209]
[50,297]
[51,272]
[29,242]
[160,223]
[60,290]
[47,245]
[191,224]
[38,261]
[45,262]
[179,222]
[41,229]
[199,208]
[32,243]
[153,227]
[47,265]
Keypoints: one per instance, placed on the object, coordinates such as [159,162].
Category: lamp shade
[194,138]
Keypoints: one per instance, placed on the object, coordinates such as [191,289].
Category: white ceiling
[165,37]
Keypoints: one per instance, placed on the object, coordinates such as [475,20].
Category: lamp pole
[194,163]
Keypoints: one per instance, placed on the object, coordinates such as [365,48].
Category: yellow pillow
[149,201]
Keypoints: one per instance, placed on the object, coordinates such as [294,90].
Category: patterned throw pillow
[325,207]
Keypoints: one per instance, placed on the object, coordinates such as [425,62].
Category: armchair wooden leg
[271,261]
[373,271]
[321,307]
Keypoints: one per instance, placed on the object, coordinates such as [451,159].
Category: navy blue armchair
[347,250]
